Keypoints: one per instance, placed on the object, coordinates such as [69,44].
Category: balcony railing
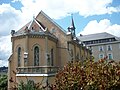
[37,70]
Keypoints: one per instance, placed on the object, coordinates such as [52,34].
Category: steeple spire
[72,27]
[72,24]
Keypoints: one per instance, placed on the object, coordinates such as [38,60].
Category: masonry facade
[103,45]
[41,47]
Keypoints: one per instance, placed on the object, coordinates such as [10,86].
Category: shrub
[89,75]
[3,82]
[29,85]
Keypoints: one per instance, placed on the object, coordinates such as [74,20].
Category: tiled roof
[22,30]
[51,20]
[32,26]
[29,27]
[96,36]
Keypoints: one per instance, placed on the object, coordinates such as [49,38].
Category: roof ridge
[41,12]
[98,33]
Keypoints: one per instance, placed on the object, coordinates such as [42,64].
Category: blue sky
[90,16]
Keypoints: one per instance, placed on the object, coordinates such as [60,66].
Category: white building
[102,45]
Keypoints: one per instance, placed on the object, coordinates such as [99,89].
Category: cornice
[42,36]
[18,37]
[106,43]
[35,36]
[74,42]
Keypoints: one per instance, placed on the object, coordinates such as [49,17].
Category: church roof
[51,20]
[32,26]
[39,25]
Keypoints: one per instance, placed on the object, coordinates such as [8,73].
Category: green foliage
[29,85]
[3,82]
[89,75]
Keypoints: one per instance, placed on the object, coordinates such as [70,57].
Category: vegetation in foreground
[83,75]
[89,75]
[3,82]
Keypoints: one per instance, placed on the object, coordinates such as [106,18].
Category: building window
[100,48]
[99,41]
[91,49]
[36,56]
[110,56]
[52,57]
[109,47]
[96,41]
[71,54]
[101,56]
[19,56]
[77,56]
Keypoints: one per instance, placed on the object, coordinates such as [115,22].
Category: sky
[90,16]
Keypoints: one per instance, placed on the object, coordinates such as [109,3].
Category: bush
[29,85]
[89,75]
[3,82]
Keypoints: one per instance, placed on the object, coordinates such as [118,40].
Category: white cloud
[101,26]
[60,8]
[13,1]
[95,7]
[5,49]
[10,18]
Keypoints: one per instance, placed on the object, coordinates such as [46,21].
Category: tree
[29,85]
[3,82]
[89,75]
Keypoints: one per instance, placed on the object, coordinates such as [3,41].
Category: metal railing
[37,70]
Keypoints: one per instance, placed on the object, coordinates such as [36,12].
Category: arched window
[36,56]
[19,56]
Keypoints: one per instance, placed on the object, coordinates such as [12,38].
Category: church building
[40,48]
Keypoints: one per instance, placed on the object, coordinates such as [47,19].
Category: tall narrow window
[101,56]
[36,56]
[71,54]
[100,48]
[52,57]
[110,56]
[77,56]
[109,47]
[19,57]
